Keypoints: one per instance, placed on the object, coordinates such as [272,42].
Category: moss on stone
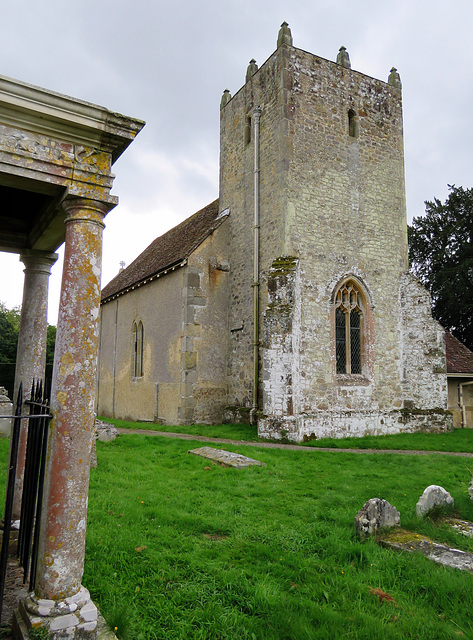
[282,266]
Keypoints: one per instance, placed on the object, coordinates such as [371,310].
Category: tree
[441,256]
[50,344]
[9,327]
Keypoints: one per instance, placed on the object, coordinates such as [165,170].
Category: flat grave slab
[462,526]
[226,458]
[402,540]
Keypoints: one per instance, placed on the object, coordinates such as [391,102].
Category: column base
[74,618]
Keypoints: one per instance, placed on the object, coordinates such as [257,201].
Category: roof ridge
[168,250]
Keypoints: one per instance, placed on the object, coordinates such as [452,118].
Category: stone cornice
[32,108]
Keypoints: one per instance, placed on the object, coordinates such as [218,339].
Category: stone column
[59,602]
[31,351]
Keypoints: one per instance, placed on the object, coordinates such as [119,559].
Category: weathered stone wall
[333,200]
[281,328]
[155,395]
[424,366]
[185,320]
[205,331]
[266,90]
[345,217]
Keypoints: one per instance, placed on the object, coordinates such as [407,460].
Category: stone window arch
[350,319]
[137,350]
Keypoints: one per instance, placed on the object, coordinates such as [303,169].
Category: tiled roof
[169,249]
[459,357]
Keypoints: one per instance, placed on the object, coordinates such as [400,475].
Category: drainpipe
[462,406]
[256,283]
[114,371]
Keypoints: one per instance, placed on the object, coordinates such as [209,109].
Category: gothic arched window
[137,353]
[349,318]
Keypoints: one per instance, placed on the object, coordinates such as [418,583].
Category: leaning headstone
[105,432]
[375,515]
[6,409]
[434,497]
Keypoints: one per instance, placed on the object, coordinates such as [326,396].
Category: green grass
[231,431]
[180,548]
[456,440]
[179,551]
[459,440]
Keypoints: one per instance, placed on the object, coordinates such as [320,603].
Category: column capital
[86,210]
[40,261]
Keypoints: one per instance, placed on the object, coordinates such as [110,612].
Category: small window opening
[137,362]
[248,130]
[352,124]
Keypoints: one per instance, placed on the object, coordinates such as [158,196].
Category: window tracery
[349,317]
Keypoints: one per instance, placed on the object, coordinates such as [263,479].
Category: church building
[287,301]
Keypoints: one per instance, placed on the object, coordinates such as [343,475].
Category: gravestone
[375,515]
[6,409]
[433,497]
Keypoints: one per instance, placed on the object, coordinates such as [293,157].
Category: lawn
[456,440]
[180,548]
[230,431]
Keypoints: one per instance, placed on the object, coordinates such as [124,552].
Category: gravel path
[294,447]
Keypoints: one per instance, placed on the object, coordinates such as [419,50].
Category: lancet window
[349,317]
[137,354]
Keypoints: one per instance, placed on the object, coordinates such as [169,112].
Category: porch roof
[51,146]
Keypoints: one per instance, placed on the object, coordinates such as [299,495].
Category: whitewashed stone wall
[335,204]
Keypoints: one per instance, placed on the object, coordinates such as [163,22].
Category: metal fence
[33,482]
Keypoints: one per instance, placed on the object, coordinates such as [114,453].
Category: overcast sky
[168,63]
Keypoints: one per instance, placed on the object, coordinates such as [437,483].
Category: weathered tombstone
[470,490]
[433,497]
[6,408]
[375,515]
[104,431]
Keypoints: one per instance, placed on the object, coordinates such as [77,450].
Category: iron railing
[33,482]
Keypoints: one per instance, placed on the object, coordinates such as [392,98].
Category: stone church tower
[329,335]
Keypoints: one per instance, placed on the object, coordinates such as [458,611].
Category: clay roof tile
[173,247]
[459,357]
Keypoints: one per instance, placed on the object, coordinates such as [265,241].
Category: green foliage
[9,327]
[39,633]
[50,344]
[441,256]
[194,550]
